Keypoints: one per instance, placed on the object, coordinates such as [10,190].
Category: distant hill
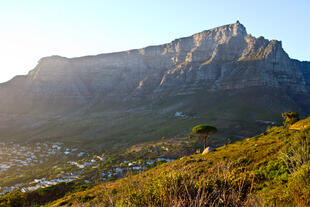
[222,76]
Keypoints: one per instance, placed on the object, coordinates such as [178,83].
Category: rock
[207,150]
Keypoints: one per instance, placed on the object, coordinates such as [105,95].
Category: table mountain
[222,75]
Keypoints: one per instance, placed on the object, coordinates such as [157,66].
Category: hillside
[301,125]
[266,170]
[223,76]
[256,171]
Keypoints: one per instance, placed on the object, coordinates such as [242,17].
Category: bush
[228,188]
[37,197]
[298,152]
[299,185]
[274,172]
[290,118]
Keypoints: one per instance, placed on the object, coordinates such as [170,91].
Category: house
[180,114]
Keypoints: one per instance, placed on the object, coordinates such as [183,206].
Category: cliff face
[220,58]
[225,58]
[305,69]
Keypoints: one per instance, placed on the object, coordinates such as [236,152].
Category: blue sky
[31,29]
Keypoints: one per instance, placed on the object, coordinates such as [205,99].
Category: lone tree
[290,118]
[205,132]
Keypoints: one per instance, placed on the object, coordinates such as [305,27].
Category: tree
[290,118]
[204,131]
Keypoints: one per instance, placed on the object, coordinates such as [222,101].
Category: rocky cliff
[221,60]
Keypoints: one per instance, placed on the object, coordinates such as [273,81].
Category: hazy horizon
[33,29]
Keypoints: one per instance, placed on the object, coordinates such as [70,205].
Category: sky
[32,29]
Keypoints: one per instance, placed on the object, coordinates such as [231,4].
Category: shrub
[299,151]
[290,118]
[299,185]
[275,171]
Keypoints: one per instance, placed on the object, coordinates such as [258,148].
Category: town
[31,166]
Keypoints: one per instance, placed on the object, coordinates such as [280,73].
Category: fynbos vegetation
[270,169]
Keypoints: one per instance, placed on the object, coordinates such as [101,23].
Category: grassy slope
[301,125]
[248,172]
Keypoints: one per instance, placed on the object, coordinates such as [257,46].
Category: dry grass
[246,173]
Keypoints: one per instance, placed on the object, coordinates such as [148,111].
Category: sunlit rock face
[223,58]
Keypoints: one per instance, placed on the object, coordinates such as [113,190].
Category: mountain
[222,76]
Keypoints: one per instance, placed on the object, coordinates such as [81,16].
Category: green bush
[275,171]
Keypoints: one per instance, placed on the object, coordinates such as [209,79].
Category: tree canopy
[205,131]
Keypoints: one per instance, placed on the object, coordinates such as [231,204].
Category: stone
[207,150]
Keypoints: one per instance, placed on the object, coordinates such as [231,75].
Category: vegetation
[41,196]
[270,169]
[290,118]
[153,153]
[233,117]
[301,125]
[205,131]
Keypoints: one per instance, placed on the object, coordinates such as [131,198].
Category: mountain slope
[266,170]
[254,172]
[221,71]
